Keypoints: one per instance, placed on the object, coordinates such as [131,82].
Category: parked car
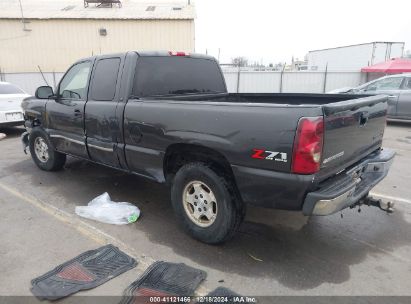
[168,117]
[11,113]
[398,89]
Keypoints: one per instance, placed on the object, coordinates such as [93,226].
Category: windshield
[8,88]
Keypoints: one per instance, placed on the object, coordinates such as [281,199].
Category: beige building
[53,34]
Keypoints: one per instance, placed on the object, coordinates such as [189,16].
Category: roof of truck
[167,53]
[148,54]
[74,9]
[161,53]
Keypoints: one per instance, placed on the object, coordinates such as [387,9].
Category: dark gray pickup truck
[168,117]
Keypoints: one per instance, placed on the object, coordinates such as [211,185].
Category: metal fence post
[54,80]
[325,78]
[238,79]
[281,79]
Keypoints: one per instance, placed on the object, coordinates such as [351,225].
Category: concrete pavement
[275,253]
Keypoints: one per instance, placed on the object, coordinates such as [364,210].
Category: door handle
[392,96]
[77,113]
[364,118]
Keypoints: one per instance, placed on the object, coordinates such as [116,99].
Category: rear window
[7,88]
[159,76]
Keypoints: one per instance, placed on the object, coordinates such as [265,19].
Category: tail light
[178,54]
[308,145]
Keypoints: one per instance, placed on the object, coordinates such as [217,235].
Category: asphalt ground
[276,253]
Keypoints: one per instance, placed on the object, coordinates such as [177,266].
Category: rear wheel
[43,153]
[206,204]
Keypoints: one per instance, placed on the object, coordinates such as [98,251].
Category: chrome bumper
[349,188]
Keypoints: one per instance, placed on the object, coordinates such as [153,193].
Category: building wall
[291,82]
[355,57]
[55,44]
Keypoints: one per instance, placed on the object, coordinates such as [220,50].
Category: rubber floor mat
[163,279]
[88,270]
[223,295]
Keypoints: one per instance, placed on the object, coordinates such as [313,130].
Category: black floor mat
[88,270]
[164,279]
[223,295]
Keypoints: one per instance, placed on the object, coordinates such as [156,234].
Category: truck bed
[270,98]
[353,124]
[290,98]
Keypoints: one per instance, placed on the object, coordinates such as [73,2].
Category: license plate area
[14,116]
[356,173]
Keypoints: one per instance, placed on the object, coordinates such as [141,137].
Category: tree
[239,61]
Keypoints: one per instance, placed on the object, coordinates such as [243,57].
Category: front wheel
[43,153]
[206,204]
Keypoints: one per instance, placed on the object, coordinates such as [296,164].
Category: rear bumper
[346,190]
[5,124]
[272,189]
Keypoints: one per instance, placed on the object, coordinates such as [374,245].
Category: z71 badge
[269,155]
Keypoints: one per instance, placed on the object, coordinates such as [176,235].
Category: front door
[65,115]
[404,102]
[102,120]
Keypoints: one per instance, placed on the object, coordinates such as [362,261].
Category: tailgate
[353,129]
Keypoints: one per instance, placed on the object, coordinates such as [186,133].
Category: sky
[272,31]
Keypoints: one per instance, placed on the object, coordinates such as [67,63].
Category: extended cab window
[103,85]
[74,83]
[177,75]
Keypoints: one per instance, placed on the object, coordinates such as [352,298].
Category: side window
[407,84]
[392,83]
[103,84]
[74,83]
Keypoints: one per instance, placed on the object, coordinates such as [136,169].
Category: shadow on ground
[12,132]
[300,253]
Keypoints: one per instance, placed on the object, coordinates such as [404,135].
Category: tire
[227,211]
[54,160]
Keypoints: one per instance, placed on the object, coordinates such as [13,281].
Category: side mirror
[44,92]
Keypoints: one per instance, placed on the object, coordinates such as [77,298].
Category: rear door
[390,86]
[102,122]
[65,115]
[162,76]
[404,101]
[353,129]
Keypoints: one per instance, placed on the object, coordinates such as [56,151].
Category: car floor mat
[88,270]
[163,279]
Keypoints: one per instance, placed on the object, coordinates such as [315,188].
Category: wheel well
[177,155]
[32,121]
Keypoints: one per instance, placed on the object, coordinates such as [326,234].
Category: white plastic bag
[103,209]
